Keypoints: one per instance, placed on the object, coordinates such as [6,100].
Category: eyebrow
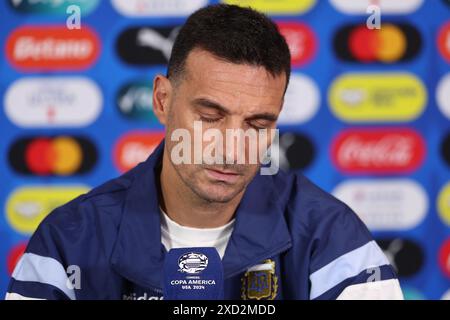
[210,104]
[264,116]
[213,105]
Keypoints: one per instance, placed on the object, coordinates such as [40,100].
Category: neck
[186,208]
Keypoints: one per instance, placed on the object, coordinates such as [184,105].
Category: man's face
[221,95]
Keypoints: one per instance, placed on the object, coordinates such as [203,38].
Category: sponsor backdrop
[366,116]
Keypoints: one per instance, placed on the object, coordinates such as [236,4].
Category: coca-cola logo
[380,151]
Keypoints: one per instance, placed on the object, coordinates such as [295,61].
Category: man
[279,236]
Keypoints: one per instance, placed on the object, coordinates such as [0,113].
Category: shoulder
[100,208]
[303,201]
[342,256]
[326,225]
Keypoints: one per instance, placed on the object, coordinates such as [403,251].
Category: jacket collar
[260,230]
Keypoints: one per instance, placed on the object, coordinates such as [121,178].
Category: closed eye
[210,120]
[260,124]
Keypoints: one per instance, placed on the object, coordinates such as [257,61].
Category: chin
[215,193]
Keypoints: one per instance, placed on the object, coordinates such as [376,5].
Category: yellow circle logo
[443,203]
[68,155]
[28,206]
[276,7]
[377,97]
[392,43]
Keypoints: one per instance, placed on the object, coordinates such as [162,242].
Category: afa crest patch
[260,282]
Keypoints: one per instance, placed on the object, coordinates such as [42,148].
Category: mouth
[223,175]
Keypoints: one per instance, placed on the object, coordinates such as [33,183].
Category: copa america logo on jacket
[192,263]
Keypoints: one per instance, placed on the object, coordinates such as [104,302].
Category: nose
[237,140]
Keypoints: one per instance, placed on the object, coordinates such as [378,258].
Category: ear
[162,95]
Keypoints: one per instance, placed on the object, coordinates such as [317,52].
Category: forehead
[240,84]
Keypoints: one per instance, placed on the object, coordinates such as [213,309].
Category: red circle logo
[14,256]
[444,41]
[444,258]
[301,40]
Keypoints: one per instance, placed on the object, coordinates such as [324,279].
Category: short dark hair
[235,34]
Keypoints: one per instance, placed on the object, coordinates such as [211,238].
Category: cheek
[176,113]
[253,169]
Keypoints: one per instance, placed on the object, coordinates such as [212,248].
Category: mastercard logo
[386,6]
[444,41]
[14,256]
[301,40]
[443,204]
[280,7]
[135,147]
[377,97]
[444,258]
[51,48]
[52,156]
[28,206]
[391,44]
